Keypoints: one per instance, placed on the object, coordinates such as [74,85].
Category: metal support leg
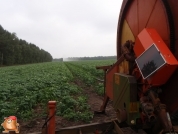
[160,110]
[103,107]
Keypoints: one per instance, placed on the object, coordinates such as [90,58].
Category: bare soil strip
[94,101]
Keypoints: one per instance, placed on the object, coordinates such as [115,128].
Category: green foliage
[92,58]
[23,88]
[87,72]
[75,109]
[17,51]
[99,89]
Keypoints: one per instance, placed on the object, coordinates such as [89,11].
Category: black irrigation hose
[47,120]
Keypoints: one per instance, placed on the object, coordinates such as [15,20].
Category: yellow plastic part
[126,35]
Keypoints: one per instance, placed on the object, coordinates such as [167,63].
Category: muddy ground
[94,101]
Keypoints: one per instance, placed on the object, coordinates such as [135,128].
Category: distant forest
[14,51]
[87,58]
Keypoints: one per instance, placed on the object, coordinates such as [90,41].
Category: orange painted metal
[142,42]
[109,82]
[141,14]
[169,94]
[146,16]
[158,21]
[103,67]
[133,21]
[109,77]
[170,91]
[162,16]
[147,38]
[145,11]
[52,110]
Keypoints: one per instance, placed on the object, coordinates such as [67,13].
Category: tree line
[87,58]
[14,51]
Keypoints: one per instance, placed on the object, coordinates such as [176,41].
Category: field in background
[26,89]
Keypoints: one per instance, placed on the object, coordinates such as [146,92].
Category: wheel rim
[140,14]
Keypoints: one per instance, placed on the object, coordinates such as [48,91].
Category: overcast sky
[64,28]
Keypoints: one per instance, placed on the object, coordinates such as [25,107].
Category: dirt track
[94,101]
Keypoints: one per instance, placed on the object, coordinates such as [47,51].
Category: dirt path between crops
[94,101]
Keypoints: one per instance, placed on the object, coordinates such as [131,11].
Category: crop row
[86,75]
[90,66]
[23,88]
[81,74]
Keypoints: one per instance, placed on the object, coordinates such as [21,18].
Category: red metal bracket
[52,111]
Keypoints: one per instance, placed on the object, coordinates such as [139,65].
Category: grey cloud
[64,28]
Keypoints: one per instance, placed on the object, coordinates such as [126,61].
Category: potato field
[26,89]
